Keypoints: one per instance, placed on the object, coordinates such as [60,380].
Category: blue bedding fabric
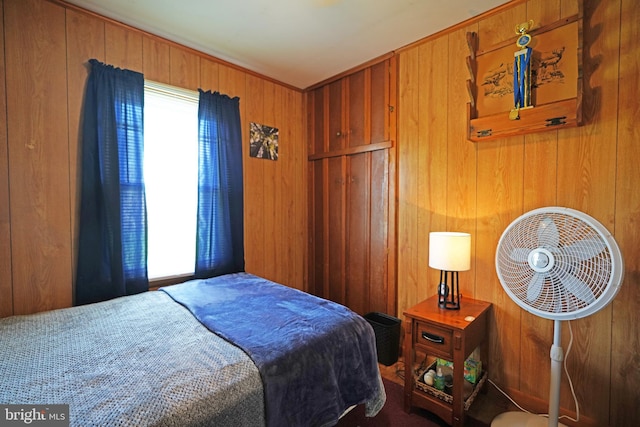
[316,357]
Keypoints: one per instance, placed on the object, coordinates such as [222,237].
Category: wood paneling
[184,68]
[123,47]
[539,151]
[210,75]
[489,184]
[351,175]
[279,186]
[233,83]
[269,170]
[255,255]
[156,60]
[358,210]
[443,181]
[293,182]
[625,322]
[334,225]
[408,175]
[85,40]
[298,268]
[379,77]
[47,46]
[275,191]
[431,155]
[462,171]
[358,101]
[6,290]
[586,177]
[625,374]
[336,120]
[379,298]
[423,153]
[39,177]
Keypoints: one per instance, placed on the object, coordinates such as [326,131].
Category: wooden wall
[46,45]
[351,124]
[6,289]
[448,183]
[444,181]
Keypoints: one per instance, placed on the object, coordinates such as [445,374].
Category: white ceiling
[298,42]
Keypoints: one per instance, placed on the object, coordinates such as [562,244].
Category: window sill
[159,282]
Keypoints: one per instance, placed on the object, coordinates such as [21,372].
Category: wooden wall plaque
[556,83]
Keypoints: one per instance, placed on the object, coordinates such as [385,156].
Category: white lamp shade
[450,251]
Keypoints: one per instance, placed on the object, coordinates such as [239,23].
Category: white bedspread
[135,361]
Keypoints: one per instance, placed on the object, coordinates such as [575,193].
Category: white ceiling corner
[297,42]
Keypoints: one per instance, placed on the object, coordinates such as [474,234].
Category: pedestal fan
[559,264]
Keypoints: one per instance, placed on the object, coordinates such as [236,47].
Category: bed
[235,350]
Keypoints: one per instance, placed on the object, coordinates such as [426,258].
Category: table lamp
[449,252]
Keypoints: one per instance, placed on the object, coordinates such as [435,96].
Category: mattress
[195,354]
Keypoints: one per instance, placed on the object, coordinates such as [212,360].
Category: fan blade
[550,304]
[548,235]
[552,300]
[587,248]
[577,288]
[534,289]
[520,254]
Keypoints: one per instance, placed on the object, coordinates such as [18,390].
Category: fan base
[520,419]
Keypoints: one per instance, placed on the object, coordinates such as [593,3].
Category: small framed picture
[263,142]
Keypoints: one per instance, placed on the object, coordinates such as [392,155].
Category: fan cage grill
[574,282]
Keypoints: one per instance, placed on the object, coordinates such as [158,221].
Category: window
[171,178]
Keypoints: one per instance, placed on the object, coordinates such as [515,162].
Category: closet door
[352,249]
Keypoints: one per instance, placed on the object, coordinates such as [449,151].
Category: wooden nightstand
[448,334]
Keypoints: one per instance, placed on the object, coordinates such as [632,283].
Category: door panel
[336,229]
[379,232]
[358,225]
[356,127]
[379,111]
[352,179]
[336,122]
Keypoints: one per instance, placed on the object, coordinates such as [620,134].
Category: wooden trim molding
[349,151]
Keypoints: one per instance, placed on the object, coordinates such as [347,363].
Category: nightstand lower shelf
[444,396]
[449,335]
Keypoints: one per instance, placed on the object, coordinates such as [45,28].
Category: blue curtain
[220,228]
[112,257]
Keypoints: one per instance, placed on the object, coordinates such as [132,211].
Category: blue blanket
[316,358]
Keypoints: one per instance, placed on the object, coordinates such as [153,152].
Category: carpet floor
[392,414]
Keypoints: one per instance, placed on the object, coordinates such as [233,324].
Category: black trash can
[387,330]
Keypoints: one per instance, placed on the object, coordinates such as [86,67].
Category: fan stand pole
[557,356]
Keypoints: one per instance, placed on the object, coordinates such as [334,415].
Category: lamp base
[449,305]
[446,300]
